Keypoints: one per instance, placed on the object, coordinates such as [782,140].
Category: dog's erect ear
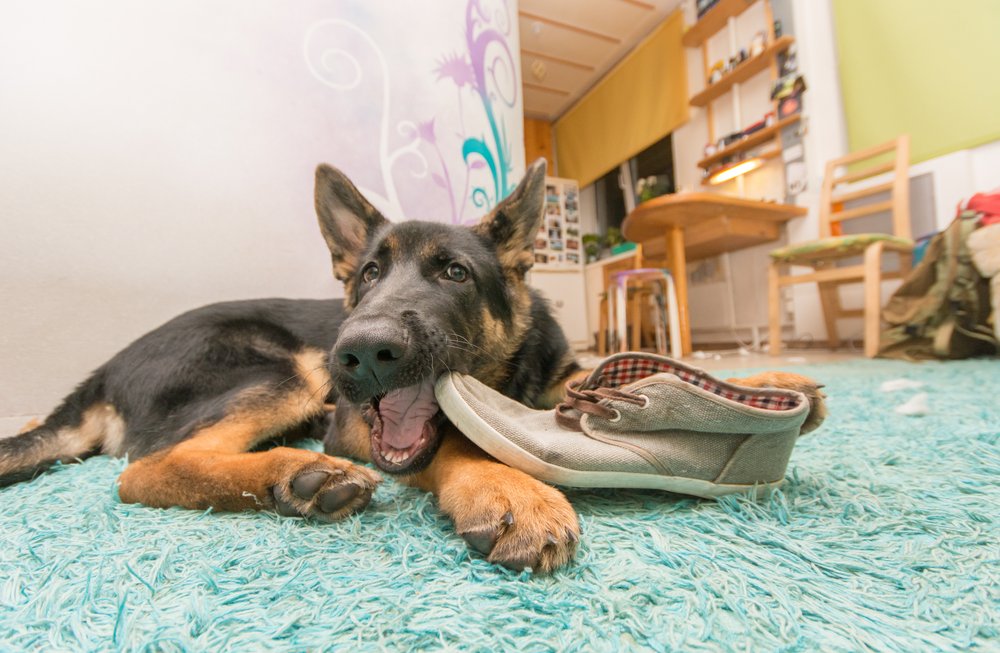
[345,218]
[512,225]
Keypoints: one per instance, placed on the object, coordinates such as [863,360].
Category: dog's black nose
[372,349]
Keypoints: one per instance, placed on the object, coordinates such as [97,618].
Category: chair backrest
[851,170]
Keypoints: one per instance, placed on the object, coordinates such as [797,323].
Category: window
[610,201]
[657,161]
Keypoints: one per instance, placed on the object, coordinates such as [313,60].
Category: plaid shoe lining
[626,370]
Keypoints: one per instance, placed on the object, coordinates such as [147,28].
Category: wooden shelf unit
[764,156]
[720,17]
[714,20]
[742,72]
[753,140]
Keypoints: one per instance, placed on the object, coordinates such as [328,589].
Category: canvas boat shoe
[638,421]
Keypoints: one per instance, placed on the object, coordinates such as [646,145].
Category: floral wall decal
[427,105]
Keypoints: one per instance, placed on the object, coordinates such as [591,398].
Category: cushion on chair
[837,246]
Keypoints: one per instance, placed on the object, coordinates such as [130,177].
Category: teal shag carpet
[884,538]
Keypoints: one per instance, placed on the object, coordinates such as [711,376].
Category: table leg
[678,268]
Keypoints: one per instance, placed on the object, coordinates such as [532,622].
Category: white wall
[959,175]
[825,138]
[154,157]
[157,156]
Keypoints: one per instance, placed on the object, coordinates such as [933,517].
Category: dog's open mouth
[404,434]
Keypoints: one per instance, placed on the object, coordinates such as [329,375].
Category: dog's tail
[80,427]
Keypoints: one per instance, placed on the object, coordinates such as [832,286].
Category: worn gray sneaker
[638,421]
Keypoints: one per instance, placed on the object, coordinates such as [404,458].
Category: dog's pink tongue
[404,413]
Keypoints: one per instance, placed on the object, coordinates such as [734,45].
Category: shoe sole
[493,443]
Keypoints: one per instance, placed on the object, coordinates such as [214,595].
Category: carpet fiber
[885,537]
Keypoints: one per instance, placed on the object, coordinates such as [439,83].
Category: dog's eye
[457,273]
[370,273]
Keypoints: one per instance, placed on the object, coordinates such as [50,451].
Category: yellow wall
[925,67]
[639,102]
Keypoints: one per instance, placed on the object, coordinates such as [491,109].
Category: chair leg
[873,298]
[647,335]
[774,308]
[603,333]
[829,298]
[636,326]
[905,264]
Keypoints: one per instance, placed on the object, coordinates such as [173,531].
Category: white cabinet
[565,291]
[558,271]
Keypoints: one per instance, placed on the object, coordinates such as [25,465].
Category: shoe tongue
[404,412]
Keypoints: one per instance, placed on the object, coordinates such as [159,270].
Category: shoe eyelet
[645,402]
[617,417]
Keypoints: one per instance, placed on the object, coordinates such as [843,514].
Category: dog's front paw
[515,520]
[797,382]
[326,489]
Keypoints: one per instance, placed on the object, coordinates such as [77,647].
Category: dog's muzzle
[390,366]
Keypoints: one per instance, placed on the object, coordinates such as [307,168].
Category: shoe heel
[761,458]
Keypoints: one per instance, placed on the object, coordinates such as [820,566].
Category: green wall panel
[927,67]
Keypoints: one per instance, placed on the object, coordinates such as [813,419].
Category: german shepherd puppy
[190,402]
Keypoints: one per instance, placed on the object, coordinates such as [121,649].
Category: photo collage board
[558,244]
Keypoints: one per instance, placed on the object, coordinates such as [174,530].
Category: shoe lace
[580,400]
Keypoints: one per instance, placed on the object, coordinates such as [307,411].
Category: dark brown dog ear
[346,219]
[512,225]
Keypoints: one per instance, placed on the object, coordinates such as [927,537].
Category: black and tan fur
[192,402]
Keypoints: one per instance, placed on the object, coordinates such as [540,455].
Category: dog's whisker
[464,344]
[296,376]
[281,383]
[324,388]
[474,347]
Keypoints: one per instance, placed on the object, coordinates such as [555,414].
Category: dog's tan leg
[791,381]
[208,471]
[205,472]
[212,468]
[512,518]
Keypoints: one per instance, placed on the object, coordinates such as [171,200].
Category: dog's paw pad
[284,508]
[342,495]
[325,491]
[305,486]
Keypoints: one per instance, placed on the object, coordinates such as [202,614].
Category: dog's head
[424,298]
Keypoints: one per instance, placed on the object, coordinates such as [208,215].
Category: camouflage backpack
[942,308]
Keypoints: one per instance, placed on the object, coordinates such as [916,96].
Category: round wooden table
[701,225]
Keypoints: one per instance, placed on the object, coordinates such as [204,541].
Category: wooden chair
[840,186]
